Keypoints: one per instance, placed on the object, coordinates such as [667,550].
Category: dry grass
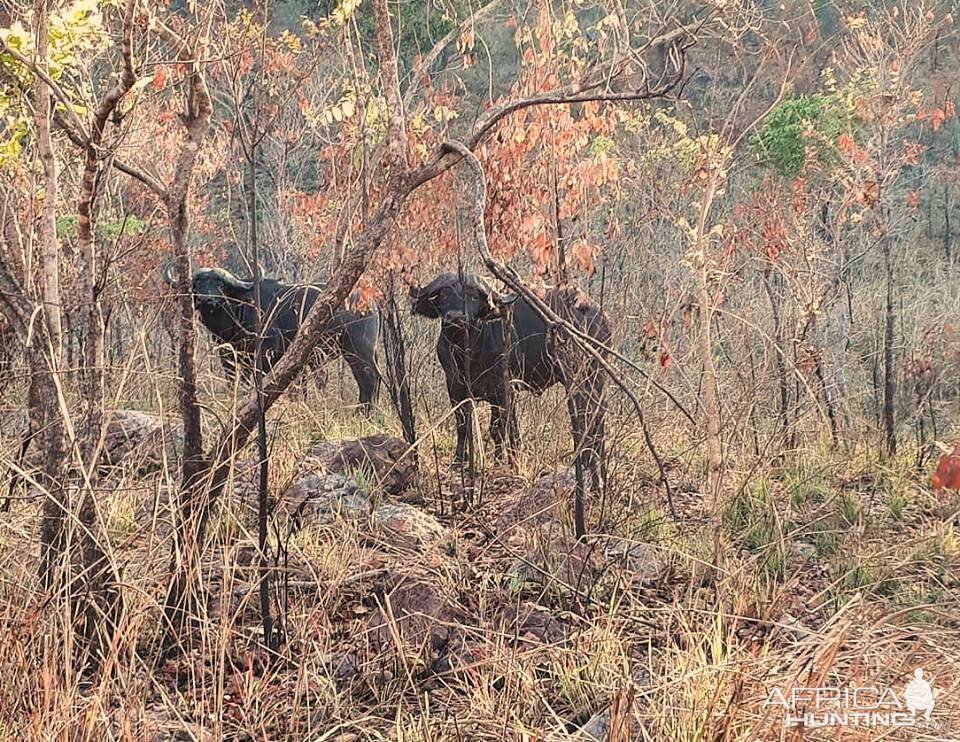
[835,569]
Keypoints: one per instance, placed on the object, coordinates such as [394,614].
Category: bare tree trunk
[45,363]
[947,227]
[398,377]
[889,380]
[779,365]
[191,507]
[263,504]
[710,395]
[47,232]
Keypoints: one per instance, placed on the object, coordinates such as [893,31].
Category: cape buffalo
[471,351]
[227,308]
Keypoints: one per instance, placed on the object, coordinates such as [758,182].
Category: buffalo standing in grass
[227,308]
[471,351]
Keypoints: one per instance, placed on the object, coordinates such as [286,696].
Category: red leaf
[947,475]
[160,77]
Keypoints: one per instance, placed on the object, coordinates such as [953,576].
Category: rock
[140,441]
[616,722]
[597,729]
[422,619]
[137,441]
[563,560]
[407,526]
[545,502]
[344,666]
[532,623]
[321,498]
[13,422]
[641,560]
[387,463]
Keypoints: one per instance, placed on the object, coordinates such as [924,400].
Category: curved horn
[166,270]
[231,280]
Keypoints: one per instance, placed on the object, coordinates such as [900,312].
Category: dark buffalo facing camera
[471,351]
[226,305]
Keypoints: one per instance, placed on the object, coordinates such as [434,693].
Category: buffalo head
[214,287]
[457,299]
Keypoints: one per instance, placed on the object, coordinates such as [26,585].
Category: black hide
[227,308]
[471,351]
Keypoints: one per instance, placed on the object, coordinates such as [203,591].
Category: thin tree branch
[512,279]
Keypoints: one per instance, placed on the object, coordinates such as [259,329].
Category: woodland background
[764,198]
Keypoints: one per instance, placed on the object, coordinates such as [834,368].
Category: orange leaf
[937,118]
[947,475]
[583,254]
[160,77]
[912,199]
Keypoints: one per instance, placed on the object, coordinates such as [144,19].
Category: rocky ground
[416,606]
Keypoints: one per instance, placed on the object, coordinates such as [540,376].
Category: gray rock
[322,498]
[405,525]
[388,463]
[641,560]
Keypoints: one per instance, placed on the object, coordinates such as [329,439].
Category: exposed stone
[531,623]
[387,462]
[422,619]
[597,729]
[641,560]
[140,441]
[566,561]
[405,525]
[544,502]
[137,441]
[321,498]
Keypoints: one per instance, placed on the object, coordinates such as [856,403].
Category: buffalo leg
[368,380]
[592,407]
[228,361]
[463,413]
[503,430]
[361,358]
[498,429]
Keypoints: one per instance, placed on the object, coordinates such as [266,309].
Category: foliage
[802,129]
[74,35]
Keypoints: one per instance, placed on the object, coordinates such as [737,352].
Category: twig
[512,279]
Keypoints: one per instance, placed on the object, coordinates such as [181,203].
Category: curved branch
[512,279]
[57,91]
[446,157]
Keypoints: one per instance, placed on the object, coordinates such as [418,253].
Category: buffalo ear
[505,300]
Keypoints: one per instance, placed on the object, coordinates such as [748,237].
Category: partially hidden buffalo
[227,308]
[471,351]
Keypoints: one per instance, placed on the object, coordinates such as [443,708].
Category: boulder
[406,526]
[136,441]
[544,502]
[140,441]
[322,498]
[640,561]
[416,625]
[388,463]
